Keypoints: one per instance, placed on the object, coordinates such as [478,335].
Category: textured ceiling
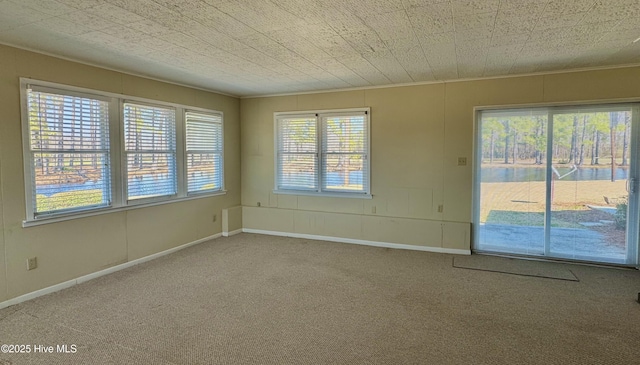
[254,47]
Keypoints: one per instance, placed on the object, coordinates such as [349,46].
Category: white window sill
[99,211]
[327,194]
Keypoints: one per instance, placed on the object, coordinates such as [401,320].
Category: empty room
[319,182]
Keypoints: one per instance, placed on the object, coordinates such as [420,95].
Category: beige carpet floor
[253,299]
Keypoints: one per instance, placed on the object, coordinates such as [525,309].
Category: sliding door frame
[633,213]
[633,188]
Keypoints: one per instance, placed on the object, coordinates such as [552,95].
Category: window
[150,151]
[204,152]
[297,166]
[323,152]
[87,152]
[344,152]
[68,152]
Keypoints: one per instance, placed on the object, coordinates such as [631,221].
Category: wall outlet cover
[32,263]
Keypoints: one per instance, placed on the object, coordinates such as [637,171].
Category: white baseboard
[232,233]
[97,274]
[360,242]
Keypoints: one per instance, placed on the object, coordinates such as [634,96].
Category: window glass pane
[150,147]
[344,150]
[204,152]
[82,183]
[513,159]
[69,144]
[297,153]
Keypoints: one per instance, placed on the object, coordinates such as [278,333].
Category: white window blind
[297,154]
[89,152]
[69,152]
[204,148]
[150,151]
[324,152]
[344,153]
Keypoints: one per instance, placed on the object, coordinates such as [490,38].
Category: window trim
[116,139]
[320,191]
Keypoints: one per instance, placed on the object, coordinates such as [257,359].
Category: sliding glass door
[558,182]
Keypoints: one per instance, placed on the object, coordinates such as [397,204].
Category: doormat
[506,265]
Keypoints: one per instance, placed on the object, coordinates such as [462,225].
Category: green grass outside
[68,199]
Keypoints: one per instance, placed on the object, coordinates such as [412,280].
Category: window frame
[276,154]
[124,154]
[28,153]
[117,155]
[321,190]
[186,152]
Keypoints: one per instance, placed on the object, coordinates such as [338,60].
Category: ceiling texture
[259,47]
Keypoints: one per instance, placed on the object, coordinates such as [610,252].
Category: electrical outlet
[32,263]
[440,208]
[462,161]
[373,209]
[259,204]
[215,217]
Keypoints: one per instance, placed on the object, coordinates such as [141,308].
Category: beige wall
[67,250]
[232,220]
[417,134]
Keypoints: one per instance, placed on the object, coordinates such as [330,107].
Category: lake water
[518,174]
[144,185]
